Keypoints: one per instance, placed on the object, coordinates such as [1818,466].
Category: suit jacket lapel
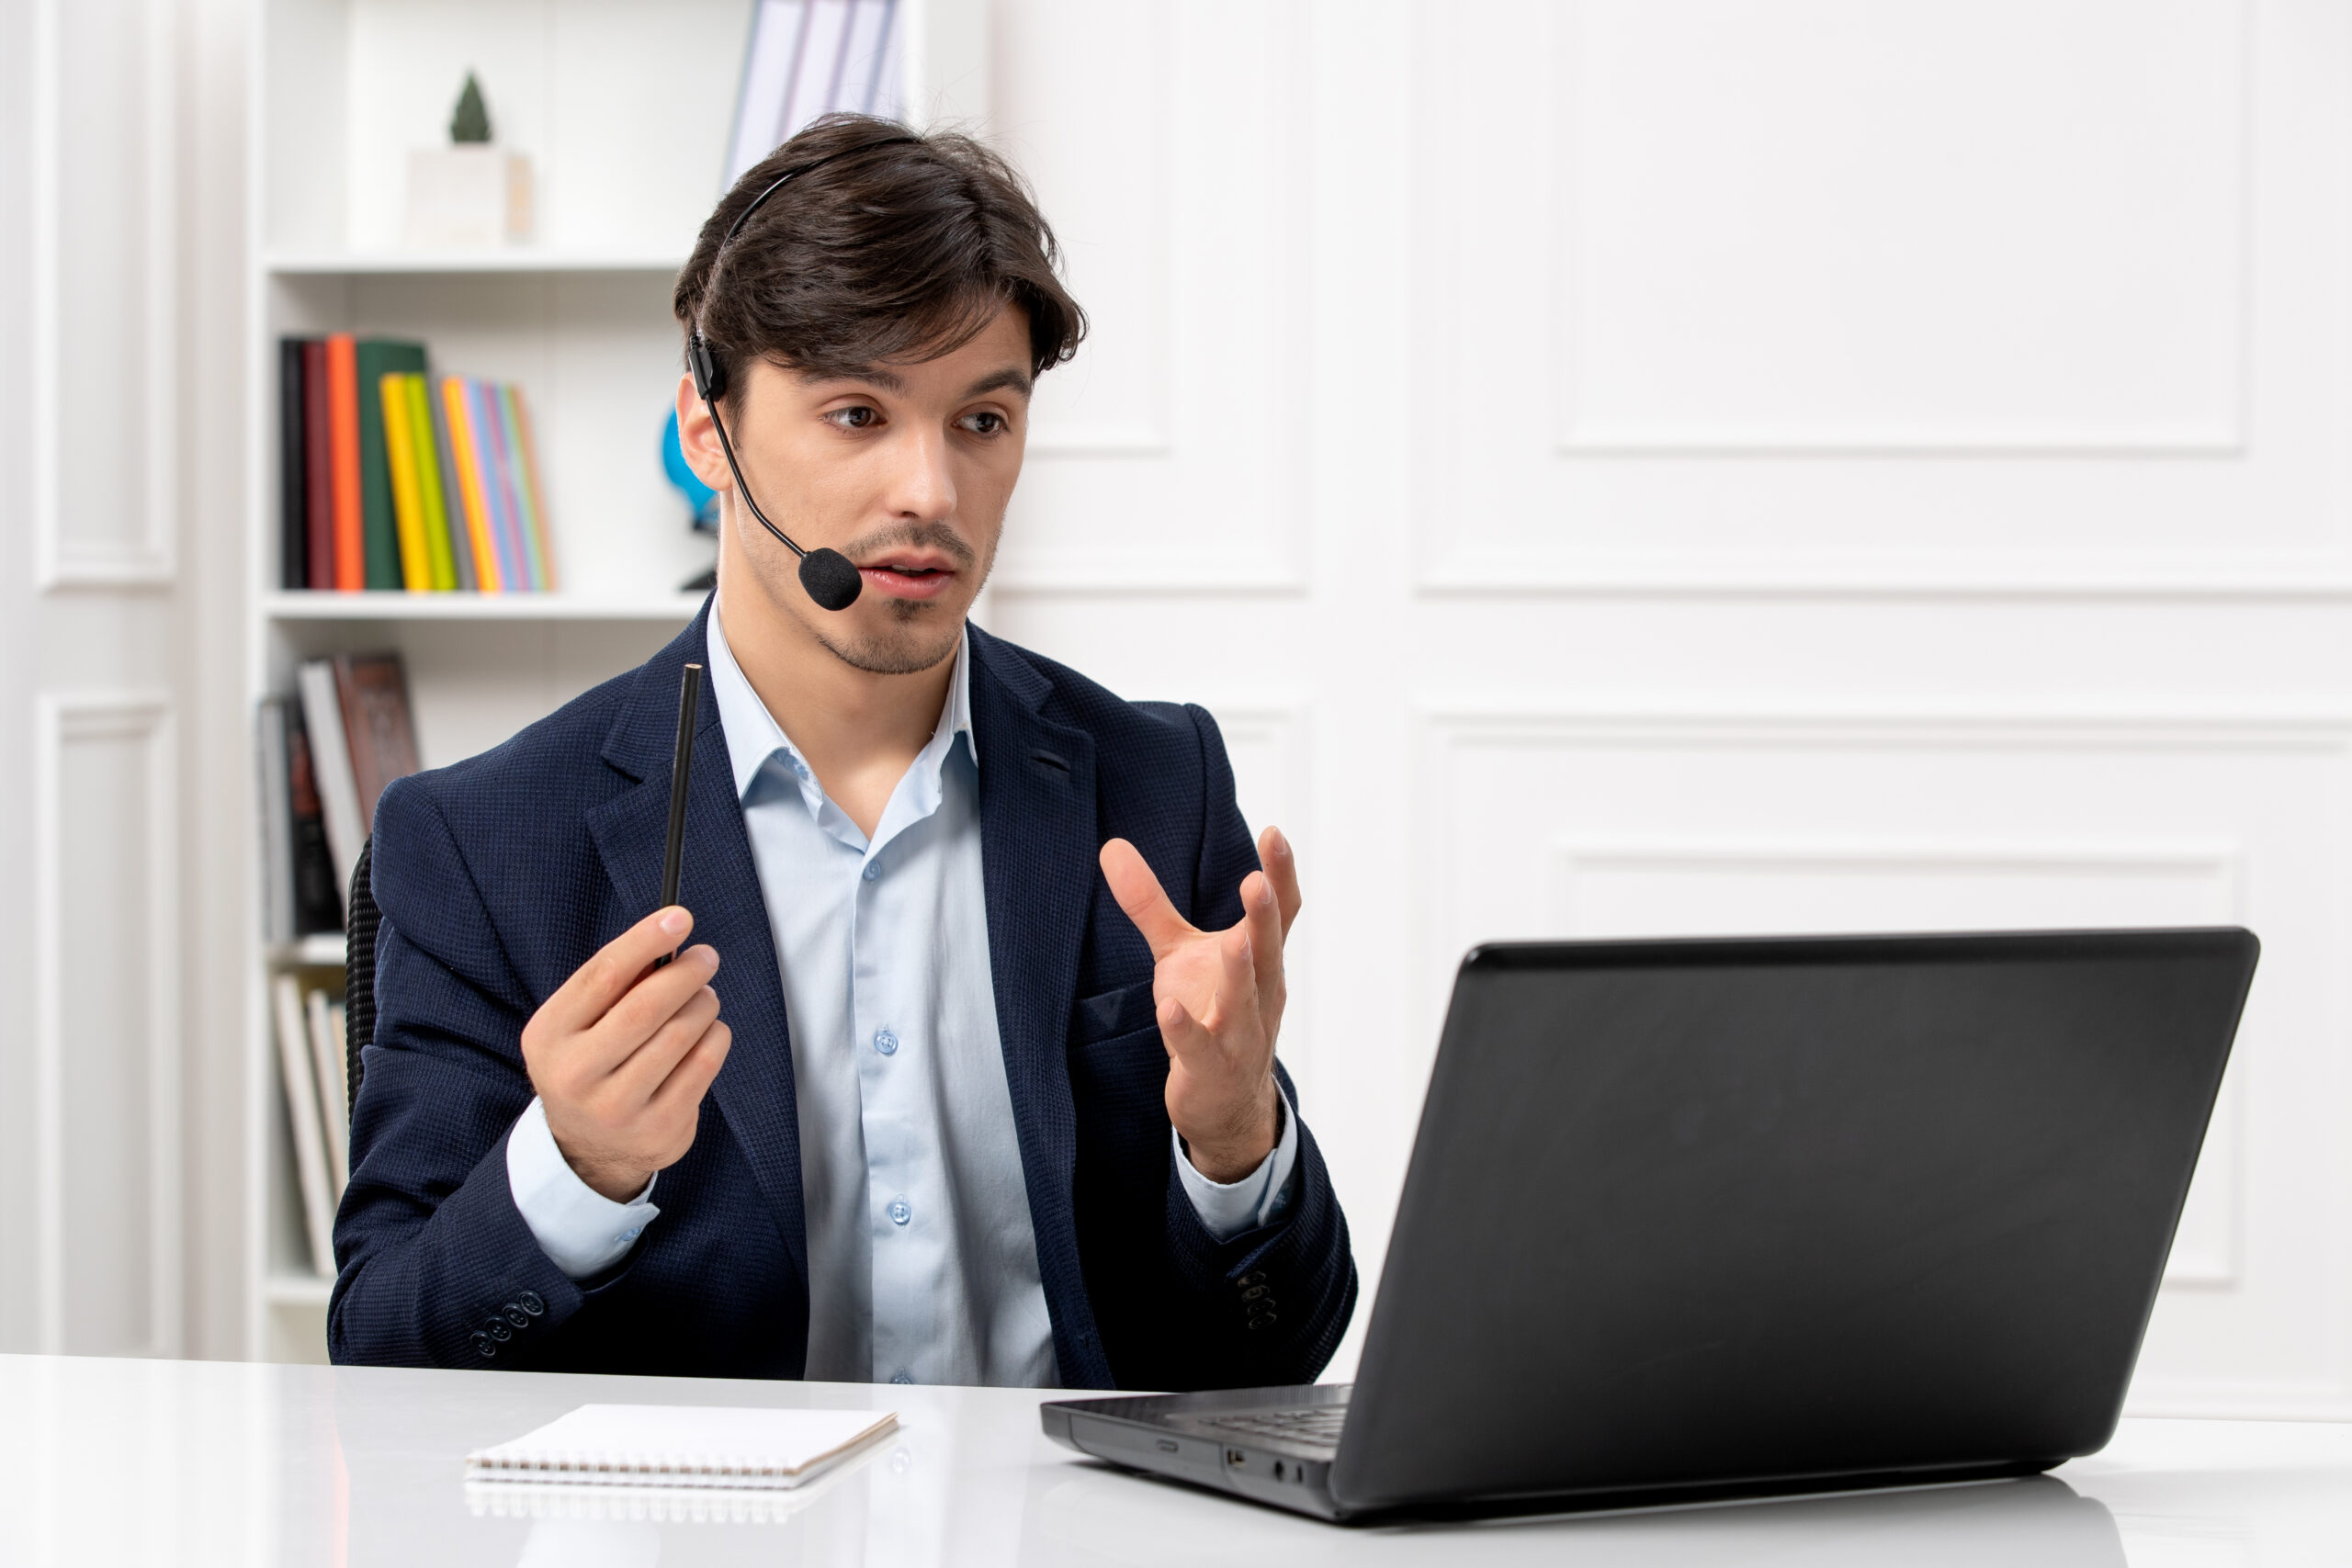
[719,883]
[1038,858]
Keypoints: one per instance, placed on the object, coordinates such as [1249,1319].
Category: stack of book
[393,478]
[325,756]
[318,1098]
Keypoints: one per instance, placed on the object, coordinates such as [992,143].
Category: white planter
[471,195]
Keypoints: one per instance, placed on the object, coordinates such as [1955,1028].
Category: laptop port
[1278,1474]
[1235,1457]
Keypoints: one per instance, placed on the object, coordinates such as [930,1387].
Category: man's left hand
[1220,999]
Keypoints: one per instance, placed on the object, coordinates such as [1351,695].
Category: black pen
[682,762]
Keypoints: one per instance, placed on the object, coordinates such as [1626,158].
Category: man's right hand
[623,1053]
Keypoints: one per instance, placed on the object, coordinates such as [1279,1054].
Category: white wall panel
[2006,226]
[107,1017]
[104,275]
[1833,295]
[1166,144]
[1723,822]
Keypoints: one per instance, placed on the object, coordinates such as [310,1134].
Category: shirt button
[631,1235]
[900,1211]
[886,1042]
[872,869]
[900,1377]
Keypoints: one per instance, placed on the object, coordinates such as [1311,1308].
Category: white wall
[1612,465]
[1645,465]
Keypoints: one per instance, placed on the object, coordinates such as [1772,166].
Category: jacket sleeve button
[529,1301]
[482,1346]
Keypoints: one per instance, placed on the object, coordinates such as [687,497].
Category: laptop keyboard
[1316,1428]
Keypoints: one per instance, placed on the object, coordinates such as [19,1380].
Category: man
[964,1070]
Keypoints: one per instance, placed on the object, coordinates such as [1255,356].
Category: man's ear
[699,441]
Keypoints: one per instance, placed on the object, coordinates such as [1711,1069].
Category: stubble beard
[922,633]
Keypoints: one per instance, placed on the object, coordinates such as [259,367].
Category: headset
[827,574]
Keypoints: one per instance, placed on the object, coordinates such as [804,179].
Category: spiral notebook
[681,1445]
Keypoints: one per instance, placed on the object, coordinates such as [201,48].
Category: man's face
[906,470]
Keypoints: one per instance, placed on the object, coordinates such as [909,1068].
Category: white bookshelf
[673,609]
[624,111]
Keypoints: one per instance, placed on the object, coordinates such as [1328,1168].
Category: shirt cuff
[582,1231]
[1257,1199]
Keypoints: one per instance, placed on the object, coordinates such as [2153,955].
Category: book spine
[510,482]
[317,906]
[302,1112]
[342,429]
[432,512]
[372,690]
[512,567]
[453,503]
[318,468]
[526,476]
[334,1115]
[330,766]
[293,483]
[378,528]
[408,507]
[458,405]
[276,822]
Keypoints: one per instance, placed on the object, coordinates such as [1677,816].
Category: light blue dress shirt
[923,1263]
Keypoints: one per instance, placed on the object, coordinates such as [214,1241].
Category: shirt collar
[753,737]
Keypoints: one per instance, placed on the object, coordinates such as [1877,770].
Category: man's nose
[921,487]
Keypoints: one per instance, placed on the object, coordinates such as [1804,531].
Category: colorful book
[293,484]
[453,501]
[318,467]
[408,506]
[432,508]
[466,458]
[342,429]
[526,486]
[510,489]
[513,570]
[374,357]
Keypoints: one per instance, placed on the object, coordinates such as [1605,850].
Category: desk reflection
[1095,1515]
[1080,1515]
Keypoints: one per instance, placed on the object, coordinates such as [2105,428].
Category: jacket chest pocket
[1108,1015]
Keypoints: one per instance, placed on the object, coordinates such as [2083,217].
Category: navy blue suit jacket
[499,876]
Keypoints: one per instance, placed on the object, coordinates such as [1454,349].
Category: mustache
[933,536]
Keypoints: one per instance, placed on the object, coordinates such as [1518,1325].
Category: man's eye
[857,417]
[985,423]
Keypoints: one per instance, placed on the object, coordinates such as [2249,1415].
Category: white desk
[163,1463]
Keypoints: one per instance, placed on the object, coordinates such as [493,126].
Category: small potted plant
[471,193]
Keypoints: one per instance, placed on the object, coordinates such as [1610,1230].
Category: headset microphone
[827,574]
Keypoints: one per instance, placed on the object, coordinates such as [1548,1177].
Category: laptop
[1701,1219]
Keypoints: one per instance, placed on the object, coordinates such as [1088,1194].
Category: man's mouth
[910,577]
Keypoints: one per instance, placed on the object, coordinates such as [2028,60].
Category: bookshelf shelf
[667,608]
[324,951]
[522,259]
[290,1290]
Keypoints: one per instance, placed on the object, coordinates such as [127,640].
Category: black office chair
[358,969]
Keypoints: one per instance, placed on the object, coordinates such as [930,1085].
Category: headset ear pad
[710,377]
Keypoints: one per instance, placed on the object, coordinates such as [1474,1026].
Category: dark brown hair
[900,250]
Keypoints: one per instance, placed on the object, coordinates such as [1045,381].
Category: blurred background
[1610,466]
